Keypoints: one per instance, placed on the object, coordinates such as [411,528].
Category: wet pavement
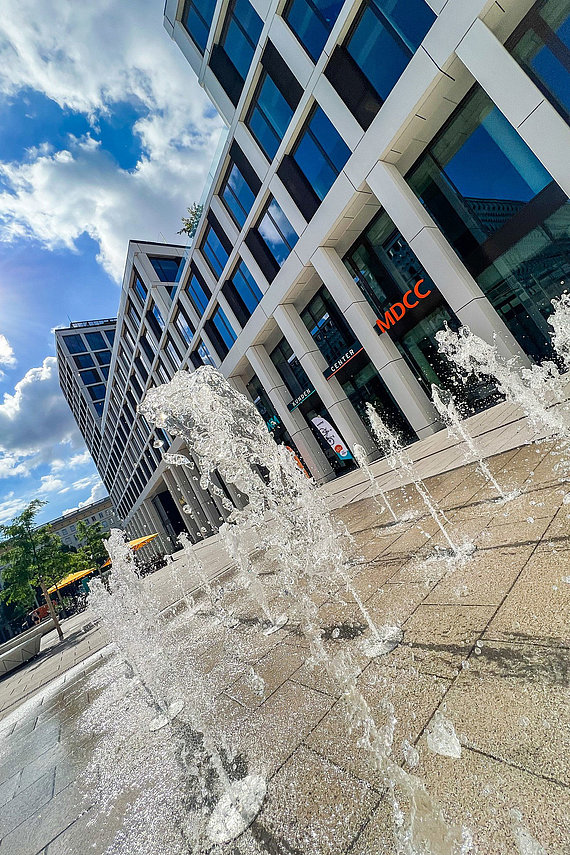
[485,644]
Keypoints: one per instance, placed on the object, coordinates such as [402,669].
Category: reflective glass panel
[237,195]
[312,21]
[321,153]
[269,116]
[277,232]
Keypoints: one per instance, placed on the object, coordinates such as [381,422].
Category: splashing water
[400,461]
[360,456]
[535,390]
[287,518]
[132,621]
[446,407]
[441,737]
[559,320]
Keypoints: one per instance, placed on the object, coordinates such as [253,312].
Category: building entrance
[411,311]
[169,514]
[349,363]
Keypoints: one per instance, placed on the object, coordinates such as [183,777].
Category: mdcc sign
[396,312]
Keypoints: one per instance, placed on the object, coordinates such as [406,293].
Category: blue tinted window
[105,372]
[277,232]
[385,38]
[197,19]
[95,340]
[183,325]
[246,287]
[74,343]
[99,408]
[166,268]
[269,116]
[199,296]
[158,316]
[97,392]
[321,153]
[140,289]
[205,355]
[84,361]
[213,251]
[241,33]
[110,335]
[237,195]
[541,45]
[104,357]
[224,327]
[89,377]
[312,21]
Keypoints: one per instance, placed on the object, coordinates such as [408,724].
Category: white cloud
[11,506]
[6,354]
[98,492]
[49,484]
[59,465]
[22,431]
[110,53]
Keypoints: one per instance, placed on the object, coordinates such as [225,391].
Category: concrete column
[440,261]
[148,528]
[158,526]
[294,422]
[346,418]
[385,356]
[204,512]
[519,100]
[176,492]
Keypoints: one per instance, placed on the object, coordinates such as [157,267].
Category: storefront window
[349,363]
[541,46]
[387,272]
[267,412]
[502,213]
[295,379]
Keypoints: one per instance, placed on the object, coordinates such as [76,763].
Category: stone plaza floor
[486,644]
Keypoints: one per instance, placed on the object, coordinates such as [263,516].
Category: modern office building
[83,358]
[389,166]
[97,512]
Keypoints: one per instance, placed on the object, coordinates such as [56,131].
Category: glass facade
[183,325]
[312,21]
[359,379]
[269,115]
[505,217]
[277,232]
[320,152]
[165,268]
[240,35]
[237,195]
[84,361]
[387,272]
[95,341]
[214,251]
[384,38]
[220,332]
[140,289]
[295,379]
[198,293]
[541,45]
[242,293]
[197,20]
[267,412]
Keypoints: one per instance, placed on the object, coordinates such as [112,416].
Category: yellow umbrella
[70,578]
[136,544]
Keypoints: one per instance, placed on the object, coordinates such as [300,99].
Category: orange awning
[70,579]
[136,544]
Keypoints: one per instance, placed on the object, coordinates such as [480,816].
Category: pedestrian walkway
[485,645]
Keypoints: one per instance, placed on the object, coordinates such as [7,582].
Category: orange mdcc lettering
[387,322]
[417,291]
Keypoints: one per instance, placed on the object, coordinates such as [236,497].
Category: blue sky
[104,136]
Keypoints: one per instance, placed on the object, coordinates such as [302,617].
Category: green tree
[190,223]
[29,560]
[92,539]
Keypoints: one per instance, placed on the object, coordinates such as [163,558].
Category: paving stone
[513,703]
[442,636]
[538,606]
[481,793]
[484,579]
[25,804]
[273,669]
[315,807]
[50,819]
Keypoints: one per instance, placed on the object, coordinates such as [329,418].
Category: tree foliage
[92,539]
[190,223]
[31,555]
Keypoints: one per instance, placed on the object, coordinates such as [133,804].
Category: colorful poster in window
[332,437]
